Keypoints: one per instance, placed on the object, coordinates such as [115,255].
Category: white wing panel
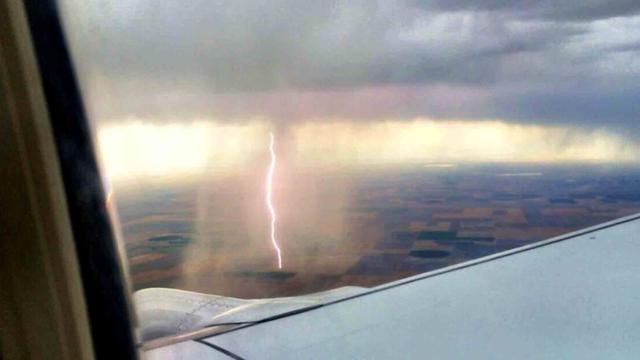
[571,297]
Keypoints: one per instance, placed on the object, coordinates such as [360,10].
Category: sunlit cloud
[422,140]
[135,148]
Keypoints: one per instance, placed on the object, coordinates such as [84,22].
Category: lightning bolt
[269,199]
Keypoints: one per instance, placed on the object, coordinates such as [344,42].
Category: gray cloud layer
[562,10]
[538,61]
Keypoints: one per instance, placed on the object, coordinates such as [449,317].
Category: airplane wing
[167,312]
[576,296]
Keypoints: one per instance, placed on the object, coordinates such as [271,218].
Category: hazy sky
[542,62]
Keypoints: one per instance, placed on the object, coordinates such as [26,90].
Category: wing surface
[571,297]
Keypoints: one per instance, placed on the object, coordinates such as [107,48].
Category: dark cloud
[560,10]
[537,61]
[612,107]
[629,47]
[257,46]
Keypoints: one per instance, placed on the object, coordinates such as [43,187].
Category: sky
[558,62]
[562,63]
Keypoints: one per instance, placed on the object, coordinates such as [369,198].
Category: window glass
[259,149]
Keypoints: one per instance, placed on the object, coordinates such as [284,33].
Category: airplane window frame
[105,287]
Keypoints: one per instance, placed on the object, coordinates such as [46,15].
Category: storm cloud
[563,10]
[556,62]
